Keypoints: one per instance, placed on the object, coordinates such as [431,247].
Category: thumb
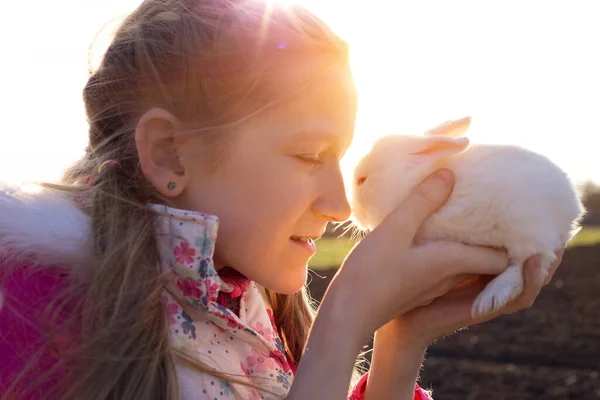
[422,201]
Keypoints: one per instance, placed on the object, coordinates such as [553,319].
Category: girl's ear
[158,152]
[440,146]
[451,128]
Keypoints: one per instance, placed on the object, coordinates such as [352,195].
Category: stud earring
[171,186]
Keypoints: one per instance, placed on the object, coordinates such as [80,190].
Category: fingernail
[445,176]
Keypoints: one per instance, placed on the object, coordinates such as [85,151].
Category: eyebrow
[322,135]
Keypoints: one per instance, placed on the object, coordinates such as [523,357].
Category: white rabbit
[504,196]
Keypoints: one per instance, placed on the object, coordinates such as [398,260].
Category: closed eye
[311,159]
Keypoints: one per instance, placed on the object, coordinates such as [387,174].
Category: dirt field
[550,351]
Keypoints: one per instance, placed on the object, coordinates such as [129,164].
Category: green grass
[332,251]
[588,236]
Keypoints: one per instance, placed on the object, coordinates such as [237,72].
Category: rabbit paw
[499,292]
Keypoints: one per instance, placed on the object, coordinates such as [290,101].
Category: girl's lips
[308,244]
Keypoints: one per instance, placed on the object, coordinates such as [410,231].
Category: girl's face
[280,179]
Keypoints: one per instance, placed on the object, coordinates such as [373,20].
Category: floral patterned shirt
[238,337]
[241,339]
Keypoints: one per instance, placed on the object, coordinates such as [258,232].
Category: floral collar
[198,297]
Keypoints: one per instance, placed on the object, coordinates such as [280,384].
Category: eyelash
[311,159]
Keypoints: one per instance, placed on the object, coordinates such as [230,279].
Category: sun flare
[416,64]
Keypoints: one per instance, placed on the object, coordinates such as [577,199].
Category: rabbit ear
[451,128]
[440,146]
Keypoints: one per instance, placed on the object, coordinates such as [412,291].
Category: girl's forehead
[324,109]
[328,103]
[313,120]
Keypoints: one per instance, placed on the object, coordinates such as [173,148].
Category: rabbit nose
[361,180]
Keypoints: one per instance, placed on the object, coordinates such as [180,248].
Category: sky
[527,72]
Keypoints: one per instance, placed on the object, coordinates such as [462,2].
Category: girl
[170,262]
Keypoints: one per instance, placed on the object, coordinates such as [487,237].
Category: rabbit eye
[361,180]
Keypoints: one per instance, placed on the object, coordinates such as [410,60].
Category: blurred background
[527,73]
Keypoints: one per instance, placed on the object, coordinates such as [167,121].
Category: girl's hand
[386,276]
[400,345]
[452,311]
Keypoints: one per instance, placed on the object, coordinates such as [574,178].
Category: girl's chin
[288,283]
[283,276]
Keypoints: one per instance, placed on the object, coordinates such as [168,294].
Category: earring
[171,186]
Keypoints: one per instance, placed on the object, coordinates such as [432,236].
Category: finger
[477,283]
[533,282]
[454,283]
[461,281]
[453,310]
[534,277]
[422,201]
[453,258]
[453,286]
[450,312]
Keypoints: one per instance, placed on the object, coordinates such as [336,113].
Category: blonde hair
[212,64]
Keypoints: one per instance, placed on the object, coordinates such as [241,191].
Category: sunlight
[416,64]
[419,65]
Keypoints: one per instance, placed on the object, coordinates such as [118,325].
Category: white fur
[42,227]
[504,196]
